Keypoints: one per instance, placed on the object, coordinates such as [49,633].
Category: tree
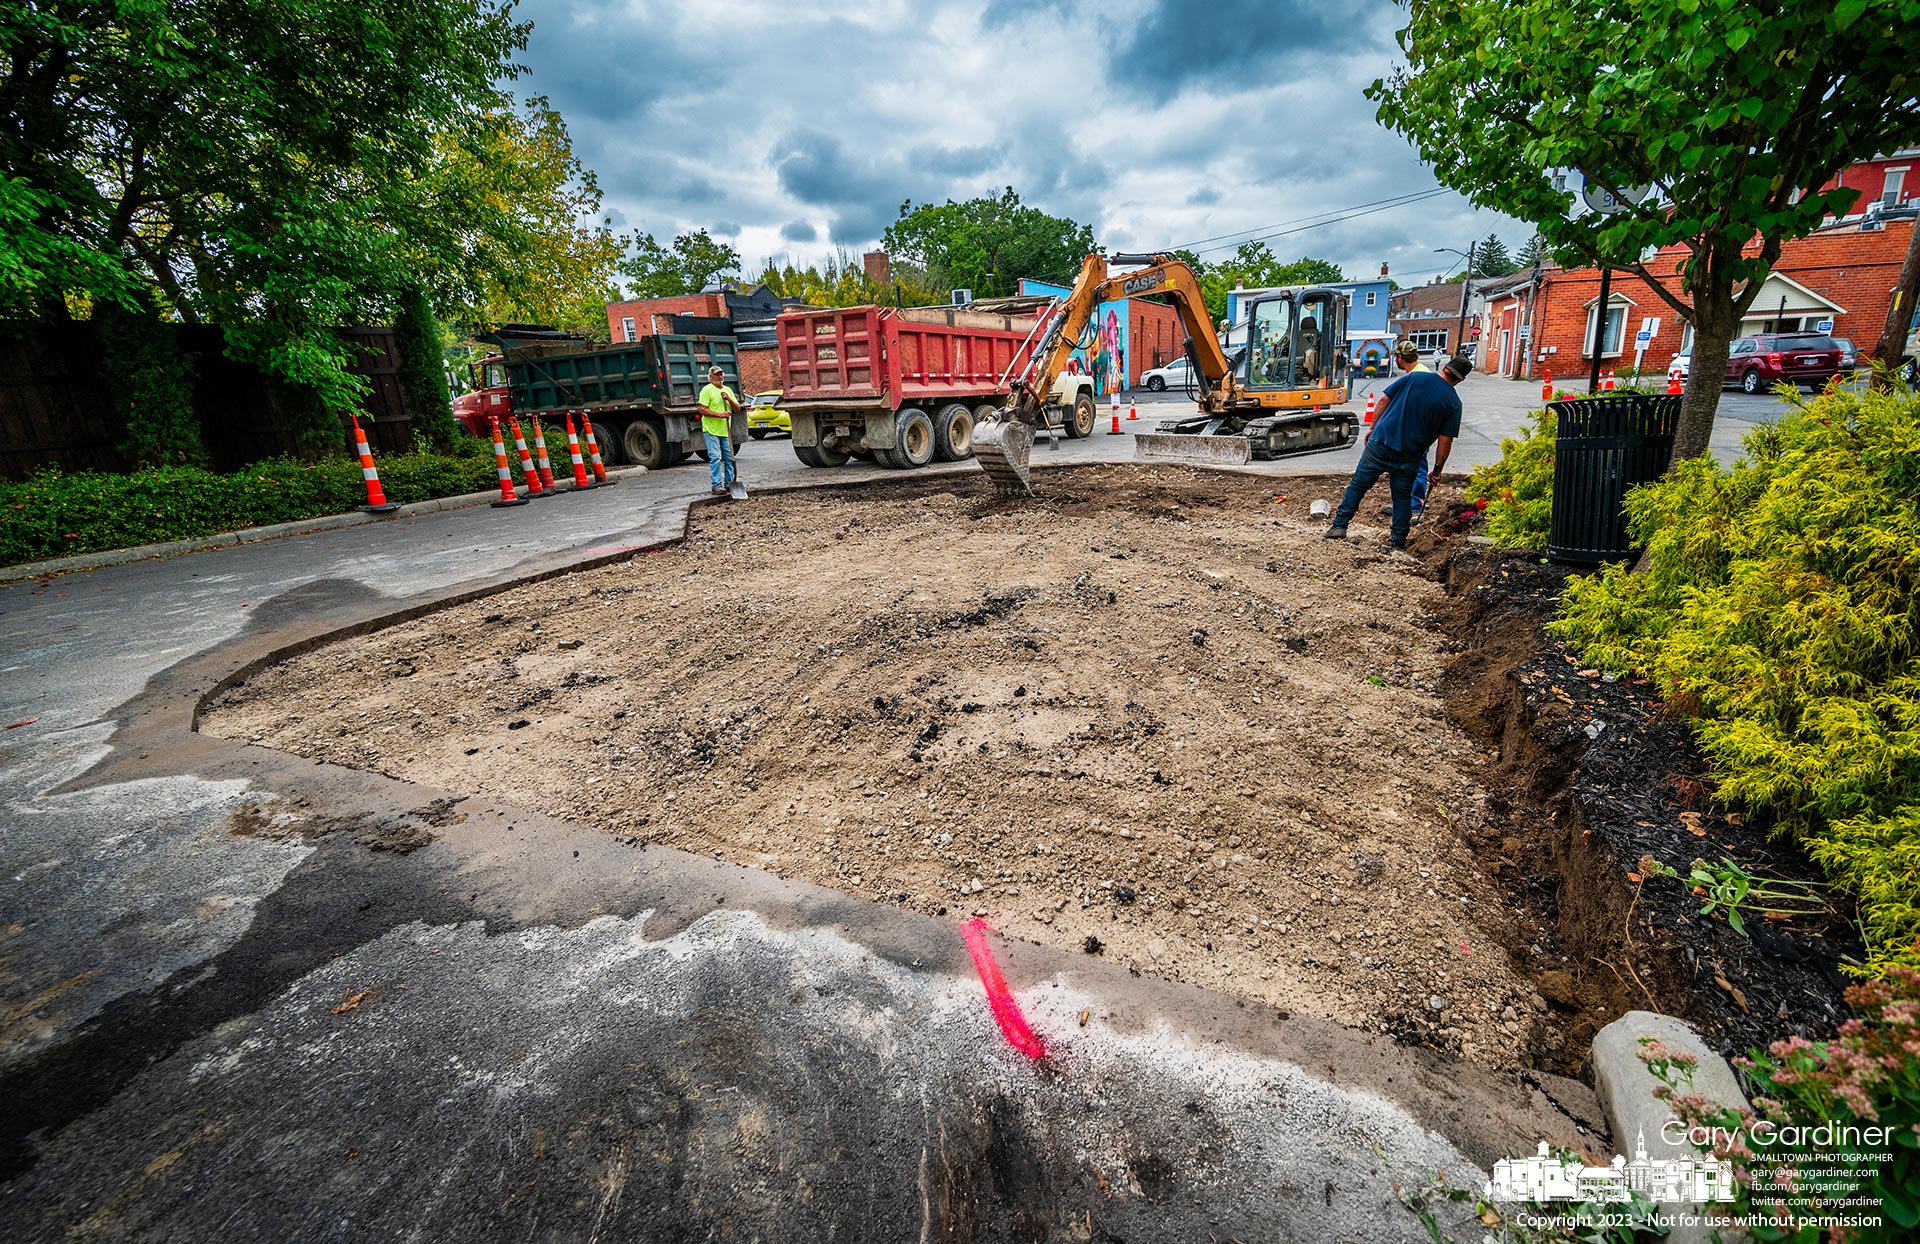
[1254,266]
[844,283]
[1490,258]
[423,376]
[1893,334]
[198,156]
[692,263]
[987,244]
[1534,252]
[1737,114]
[151,383]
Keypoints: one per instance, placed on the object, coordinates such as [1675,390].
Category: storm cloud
[801,128]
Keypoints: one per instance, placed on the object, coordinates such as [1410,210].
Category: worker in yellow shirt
[717,404]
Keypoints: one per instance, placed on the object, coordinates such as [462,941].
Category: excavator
[1270,399]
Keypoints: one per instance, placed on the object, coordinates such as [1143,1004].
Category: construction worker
[1422,410]
[1408,356]
[717,404]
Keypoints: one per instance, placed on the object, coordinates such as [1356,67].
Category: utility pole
[1466,284]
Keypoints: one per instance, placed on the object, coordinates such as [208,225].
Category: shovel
[737,490]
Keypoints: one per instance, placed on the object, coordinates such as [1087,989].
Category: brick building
[1844,273]
[1885,180]
[643,317]
[750,311]
[1429,315]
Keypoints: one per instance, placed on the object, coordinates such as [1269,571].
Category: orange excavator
[1270,398]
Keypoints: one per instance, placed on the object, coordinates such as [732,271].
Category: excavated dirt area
[1152,715]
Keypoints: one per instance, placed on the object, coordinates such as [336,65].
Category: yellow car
[764,416]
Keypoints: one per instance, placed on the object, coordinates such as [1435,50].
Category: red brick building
[630,321]
[1842,273]
[1887,180]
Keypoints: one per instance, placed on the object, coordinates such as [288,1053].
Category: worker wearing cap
[717,404]
[1408,356]
[1422,410]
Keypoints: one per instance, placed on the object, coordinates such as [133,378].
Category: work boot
[1336,532]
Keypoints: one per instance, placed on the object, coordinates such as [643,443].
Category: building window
[1616,326]
[1372,295]
[626,328]
[1433,339]
[1890,194]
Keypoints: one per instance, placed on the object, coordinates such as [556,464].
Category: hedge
[1780,608]
[57,515]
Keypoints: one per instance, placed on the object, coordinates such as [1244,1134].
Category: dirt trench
[1153,716]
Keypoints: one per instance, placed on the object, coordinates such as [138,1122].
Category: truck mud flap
[1205,450]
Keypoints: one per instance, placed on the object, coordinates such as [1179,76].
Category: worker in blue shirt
[1422,410]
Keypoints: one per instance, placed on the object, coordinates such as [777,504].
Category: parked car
[1681,365]
[764,416]
[1759,362]
[1175,375]
[1849,357]
[1910,359]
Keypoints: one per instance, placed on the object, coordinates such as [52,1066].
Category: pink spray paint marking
[1013,1025]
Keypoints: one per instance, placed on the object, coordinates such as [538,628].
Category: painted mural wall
[1105,355]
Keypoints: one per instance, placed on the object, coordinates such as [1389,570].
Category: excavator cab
[1296,341]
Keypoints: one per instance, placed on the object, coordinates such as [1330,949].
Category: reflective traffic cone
[1546,386]
[1606,385]
[377,502]
[1115,429]
[580,481]
[593,453]
[1373,400]
[540,458]
[507,496]
[1133,409]
[1673,383]
[528,471]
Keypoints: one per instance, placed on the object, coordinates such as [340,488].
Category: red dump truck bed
[893,357]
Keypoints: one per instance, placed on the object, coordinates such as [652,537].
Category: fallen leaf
[24,721]
[1644,824]
[1634,877]
[1692,821]
[1589,673]
[1779,917]
[1490,1216]
[1734,818]
[352,1003]
[1721,981]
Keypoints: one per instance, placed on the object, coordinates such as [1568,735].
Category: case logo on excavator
[1141,284]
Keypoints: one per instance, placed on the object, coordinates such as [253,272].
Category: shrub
[151,383]
[58,515]
[1518,489]
[1866,1076]
[422,371]
[1780,604]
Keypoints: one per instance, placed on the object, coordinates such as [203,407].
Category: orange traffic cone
[1673,383]
[527,469]
[1546,386]
[580,481]
[1606,383]
[540,457]
[1115,429]
[1133,409]
[593,452]
[500,465]
[377,502]
[1373,400]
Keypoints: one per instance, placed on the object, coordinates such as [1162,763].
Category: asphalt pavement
[246,996]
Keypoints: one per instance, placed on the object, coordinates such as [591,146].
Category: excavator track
[1284,436]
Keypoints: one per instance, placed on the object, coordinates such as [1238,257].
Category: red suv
[1759,362]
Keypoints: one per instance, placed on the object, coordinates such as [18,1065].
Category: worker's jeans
[1400,469]
[720,460]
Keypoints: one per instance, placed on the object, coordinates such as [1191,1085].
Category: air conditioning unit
[962,297]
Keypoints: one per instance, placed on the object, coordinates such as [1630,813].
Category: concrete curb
[248,535]
[1625,1088]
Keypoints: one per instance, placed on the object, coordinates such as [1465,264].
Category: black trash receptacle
[1604,446]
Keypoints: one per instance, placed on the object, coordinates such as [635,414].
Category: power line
[1392,199]
[1334,220]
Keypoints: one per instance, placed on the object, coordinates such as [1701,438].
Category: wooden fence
[56,408]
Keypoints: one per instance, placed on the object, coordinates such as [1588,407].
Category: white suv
[1175,375]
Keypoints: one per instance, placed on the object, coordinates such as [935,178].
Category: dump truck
[903,386]
[642,397]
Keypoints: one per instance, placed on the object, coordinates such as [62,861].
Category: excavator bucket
[1187,447]
[1004,449]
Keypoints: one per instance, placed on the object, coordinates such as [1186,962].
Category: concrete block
[1625,1088]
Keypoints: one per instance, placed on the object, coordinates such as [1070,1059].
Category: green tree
[1737,115]
[151,383]
[268,183]
[987,244]
[693,262]
[423,377]
[1490,258]
[1534,252]
[1254,266]
[843,282]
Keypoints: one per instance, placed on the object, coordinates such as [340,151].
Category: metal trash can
[1604,446]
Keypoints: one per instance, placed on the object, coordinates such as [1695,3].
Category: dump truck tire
[953,433]
[645,444]
[915,446]
[1080,422]
[819,456]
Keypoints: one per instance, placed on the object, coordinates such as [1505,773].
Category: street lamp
[1466,283]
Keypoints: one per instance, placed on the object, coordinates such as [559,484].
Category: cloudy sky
[794,128]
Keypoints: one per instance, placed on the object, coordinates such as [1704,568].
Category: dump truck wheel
[915,445]
[609,447]
[1080,425]
[645,444]
[953,433]
[819,456]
